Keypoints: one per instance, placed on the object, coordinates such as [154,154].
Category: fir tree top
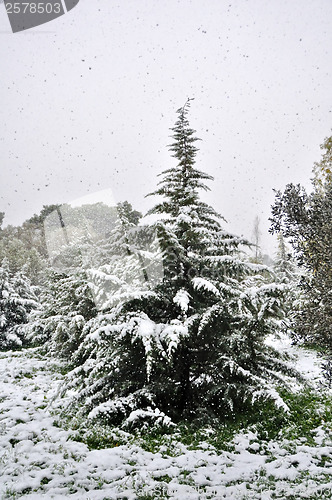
[180,184]
[191,221]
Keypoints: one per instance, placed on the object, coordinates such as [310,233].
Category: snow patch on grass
[41,460]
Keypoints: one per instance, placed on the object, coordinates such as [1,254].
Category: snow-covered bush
[17,300]
[67,305]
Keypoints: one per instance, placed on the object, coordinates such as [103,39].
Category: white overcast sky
[87,101]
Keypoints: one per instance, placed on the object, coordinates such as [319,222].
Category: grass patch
[45,481]
[19,421]
[14,442]
[95,436]
[164,479]
[308,411]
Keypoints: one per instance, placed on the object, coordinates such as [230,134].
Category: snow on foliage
[148,417]
[182,299]
[17,301]
[205,285]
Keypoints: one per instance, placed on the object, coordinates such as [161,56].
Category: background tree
[18,256]
[17,300]
[287,272]
[307,221]
[67,304]
[284,264]
[323,168]
[88,271]
[256,239]
[2,216]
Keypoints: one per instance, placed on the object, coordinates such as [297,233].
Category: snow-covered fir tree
[194,345]
[284,264]
[67,304]
[256,239]
[17,300]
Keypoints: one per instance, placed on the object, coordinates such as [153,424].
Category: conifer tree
[284,264]
[90,274]
[287,272]
[67,305]
[256,238]
[193,345]
[125,260]
[17,300]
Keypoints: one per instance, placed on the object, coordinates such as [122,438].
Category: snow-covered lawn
[40,460]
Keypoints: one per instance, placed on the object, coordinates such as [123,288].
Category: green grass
[45,481]
[308,411]
[264,418]
[95,436]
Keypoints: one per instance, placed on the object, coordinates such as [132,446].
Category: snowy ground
[40,460]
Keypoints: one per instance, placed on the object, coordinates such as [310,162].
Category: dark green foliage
[307,221]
